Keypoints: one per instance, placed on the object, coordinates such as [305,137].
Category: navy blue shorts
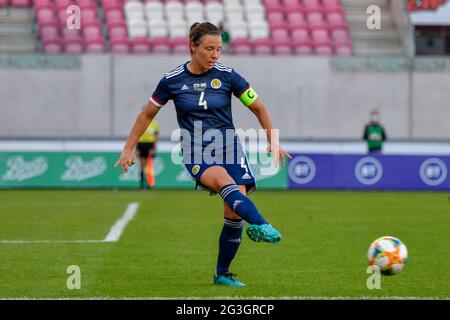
[241,174]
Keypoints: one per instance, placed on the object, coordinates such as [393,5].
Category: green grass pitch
[169,249]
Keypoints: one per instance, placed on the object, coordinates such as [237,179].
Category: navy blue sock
[242,205]
[230,239]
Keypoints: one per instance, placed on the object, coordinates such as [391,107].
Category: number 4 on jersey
[202,102]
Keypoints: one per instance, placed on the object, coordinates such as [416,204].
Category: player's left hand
[278,153]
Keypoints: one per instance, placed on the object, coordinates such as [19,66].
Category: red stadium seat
[315,19]
[45,13]
[94,45]
[281,41]
[52,46]
[120,46]
[20,3]
[160,45]
[336,20]
[276,19]
[296,20]
[114,14]
[140,45]
[311,4]
[241,46]
[73,46]
[329,5]
[340,36]
[4,3]
[92,30]
[48,29]
[262,46]
[70,34]
[291,5]
[62,4]
[344,50]
[118,30]
[180,45]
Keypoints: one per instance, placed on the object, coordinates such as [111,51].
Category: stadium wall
[309,97]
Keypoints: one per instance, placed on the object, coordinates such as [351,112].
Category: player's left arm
[264,118]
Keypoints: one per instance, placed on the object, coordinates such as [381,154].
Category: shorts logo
[195,169]
[302,170]
[246,176]
[368,171]
[216,84]
[433,171]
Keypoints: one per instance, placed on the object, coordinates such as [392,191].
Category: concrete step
[377,49]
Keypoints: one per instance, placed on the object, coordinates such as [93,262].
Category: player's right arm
[127,158]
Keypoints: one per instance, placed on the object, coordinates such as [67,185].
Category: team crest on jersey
[195,169]
[200,86]
[216,83]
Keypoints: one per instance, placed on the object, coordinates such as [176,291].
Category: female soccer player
[201,90]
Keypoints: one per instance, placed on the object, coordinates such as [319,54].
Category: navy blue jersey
[202,97]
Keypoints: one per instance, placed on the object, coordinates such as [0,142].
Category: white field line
[238,298]
[113,235]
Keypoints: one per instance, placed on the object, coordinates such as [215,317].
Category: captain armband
[248,97]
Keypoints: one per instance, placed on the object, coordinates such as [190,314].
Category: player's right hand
[127,159]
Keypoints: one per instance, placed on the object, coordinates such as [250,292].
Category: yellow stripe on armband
[248,97]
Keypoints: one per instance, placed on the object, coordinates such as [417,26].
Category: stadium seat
[281,41]
[331,5]
[157,29]
[118,31]
[214,12]
[262,46]
[113,13]
[194,12]
[259,30]
[52,46]
[276,20]
[344,50]
[73,46]
[238,30]
[137,28]
[94,46]
[174,11]
[291,5]
[154,11]
[20,3]
[140,45]
[241,46]
[92,30]
[180,45]
[160,45]
[296,20]
[178,29]
[70,34]
[120,46]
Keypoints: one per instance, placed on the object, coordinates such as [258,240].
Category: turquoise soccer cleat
[227,279]
[264,233]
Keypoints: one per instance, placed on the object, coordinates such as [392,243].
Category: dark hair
[199,30]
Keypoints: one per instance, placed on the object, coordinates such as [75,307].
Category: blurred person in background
[374,133]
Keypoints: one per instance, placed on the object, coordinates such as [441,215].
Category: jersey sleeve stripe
[156,102]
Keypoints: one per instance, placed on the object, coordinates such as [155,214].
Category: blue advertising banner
[366,172]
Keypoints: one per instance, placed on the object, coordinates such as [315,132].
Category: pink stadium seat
[20,3]
[276,20]
[301,42]
[45,37]
[92,30]
[340,35]
[315,19]
[272,6]
[113,13]
[38,3]
[45,13]
[62,4]
[311,4]
[73,46]
[52,46]
[296,20]
[329,5]
[94,45]
[48,29]
[85,3]
[344,50]
[120,46]
[160,45]
[88,13]
[281,41]
[262,46]
[336,20]
[118,30]
[323,49]
[241,46]
[291,5]
[180,45]
[70,34]
[4,3]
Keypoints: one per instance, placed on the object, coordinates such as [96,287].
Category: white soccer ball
[389,254]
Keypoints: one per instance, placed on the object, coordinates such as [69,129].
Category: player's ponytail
[199,30]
